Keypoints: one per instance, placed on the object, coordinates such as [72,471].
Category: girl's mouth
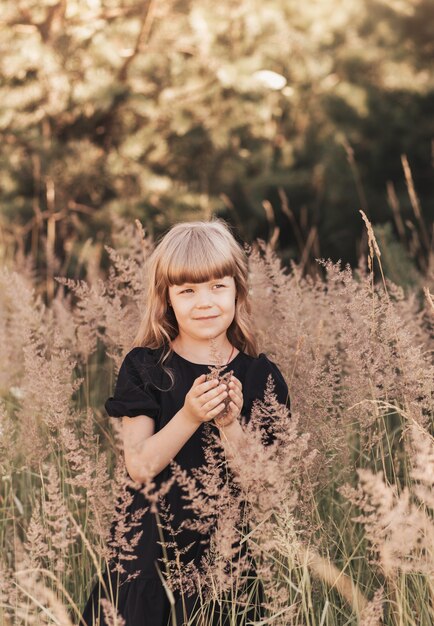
[201,319]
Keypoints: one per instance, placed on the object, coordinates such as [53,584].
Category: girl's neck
[200,351]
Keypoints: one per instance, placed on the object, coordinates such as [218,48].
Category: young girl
[197,295]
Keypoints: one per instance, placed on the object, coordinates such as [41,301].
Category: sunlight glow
[270,79]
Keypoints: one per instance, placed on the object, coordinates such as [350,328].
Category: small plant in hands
[205,397]
[225,417]
[214,396]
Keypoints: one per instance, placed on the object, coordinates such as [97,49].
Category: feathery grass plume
[111,615]
[8,593]
[37,537]
[87,472]
[414,200]
[62,311]
[373,613]
[8,437]
[22,316]
[47,388]
[90,314]
[398,369]
[400,533]
[301,335]
[374,250]
[49,534]
[271,290]
[279,496]
[215,513]
[34,601]
[350,348]
[403,341]
[121,539]
[178,574]
[128,269]
[422,461]
[108,310]
[270,478]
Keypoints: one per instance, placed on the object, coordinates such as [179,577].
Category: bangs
[198,260]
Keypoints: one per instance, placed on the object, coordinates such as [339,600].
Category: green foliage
[160,111]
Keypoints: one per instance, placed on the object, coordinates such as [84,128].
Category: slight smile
[211,317]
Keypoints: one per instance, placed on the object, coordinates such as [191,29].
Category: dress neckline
[205,364]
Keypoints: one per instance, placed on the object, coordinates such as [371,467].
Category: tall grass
[338,513]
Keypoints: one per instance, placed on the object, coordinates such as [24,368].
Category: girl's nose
[204,301]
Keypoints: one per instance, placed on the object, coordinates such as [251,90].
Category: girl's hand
[204,400]
[235,404]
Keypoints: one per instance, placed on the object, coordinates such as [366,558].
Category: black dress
[142,600]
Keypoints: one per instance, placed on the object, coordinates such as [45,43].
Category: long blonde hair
[194,252]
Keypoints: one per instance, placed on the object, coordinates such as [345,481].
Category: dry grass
[338,512]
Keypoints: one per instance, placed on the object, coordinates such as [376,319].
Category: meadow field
[339,508]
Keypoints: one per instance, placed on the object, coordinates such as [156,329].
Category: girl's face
[192,302]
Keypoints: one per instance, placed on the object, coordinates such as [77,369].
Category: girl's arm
[147,455]
[232,437]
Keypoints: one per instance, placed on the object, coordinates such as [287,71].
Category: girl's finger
[236,382]
[206,385]
[236,399]
[234,409]
[234,393]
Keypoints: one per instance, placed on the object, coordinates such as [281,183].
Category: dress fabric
[142,388]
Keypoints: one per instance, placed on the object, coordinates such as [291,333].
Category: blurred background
[284,118]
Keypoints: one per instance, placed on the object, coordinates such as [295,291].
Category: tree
[175,110]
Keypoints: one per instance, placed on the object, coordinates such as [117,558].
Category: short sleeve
[255,384]
[134,392]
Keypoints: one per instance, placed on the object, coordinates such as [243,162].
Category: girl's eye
[189,289]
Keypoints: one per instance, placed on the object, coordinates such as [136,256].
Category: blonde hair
[194,252]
